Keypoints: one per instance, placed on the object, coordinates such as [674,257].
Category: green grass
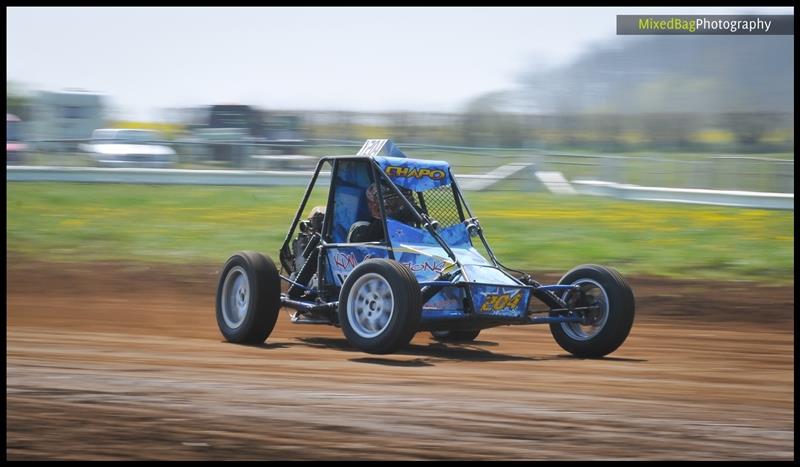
[190,224]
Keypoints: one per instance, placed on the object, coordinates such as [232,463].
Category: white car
[113,147]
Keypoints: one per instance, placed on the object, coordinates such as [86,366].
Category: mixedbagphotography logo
[705,24]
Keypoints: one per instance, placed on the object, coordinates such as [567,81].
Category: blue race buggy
[418,268]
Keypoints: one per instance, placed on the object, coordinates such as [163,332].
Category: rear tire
[461,335]
[610,324]
[380,306]
[248,298]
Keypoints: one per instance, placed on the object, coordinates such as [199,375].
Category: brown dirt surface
[125,362]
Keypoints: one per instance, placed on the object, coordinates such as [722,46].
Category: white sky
[361,58]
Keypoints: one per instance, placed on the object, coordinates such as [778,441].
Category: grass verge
[539,232]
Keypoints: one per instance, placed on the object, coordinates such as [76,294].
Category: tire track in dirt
[125,362]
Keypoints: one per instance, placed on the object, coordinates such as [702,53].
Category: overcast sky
[432,59]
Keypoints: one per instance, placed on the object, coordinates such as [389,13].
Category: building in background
[61,120]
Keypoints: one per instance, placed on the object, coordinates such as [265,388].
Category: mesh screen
[440,204]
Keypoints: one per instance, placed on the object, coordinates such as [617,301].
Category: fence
[691,171]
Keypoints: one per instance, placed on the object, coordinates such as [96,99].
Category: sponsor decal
[432,266]
[497,302]
[344,262]
[347,261]
[413,172]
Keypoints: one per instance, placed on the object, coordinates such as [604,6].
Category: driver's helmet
[394,206]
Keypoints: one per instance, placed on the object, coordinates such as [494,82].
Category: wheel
[461,335]
[248,298]
[380,306]
[607,326]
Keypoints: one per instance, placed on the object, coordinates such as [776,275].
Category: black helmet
[394,206]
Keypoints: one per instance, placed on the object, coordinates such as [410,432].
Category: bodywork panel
[342,260]
[415,174]
[349,197]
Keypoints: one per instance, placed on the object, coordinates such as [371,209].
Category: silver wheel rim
[235,297]
[370,305]
[584,332]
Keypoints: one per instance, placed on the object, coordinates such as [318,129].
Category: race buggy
[395,251]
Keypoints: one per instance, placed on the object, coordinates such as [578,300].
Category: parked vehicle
[122,147]
[15,146]
[393,253]
[233,134]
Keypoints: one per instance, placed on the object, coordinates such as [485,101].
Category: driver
[372,231]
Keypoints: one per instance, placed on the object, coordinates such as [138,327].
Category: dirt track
[109,362]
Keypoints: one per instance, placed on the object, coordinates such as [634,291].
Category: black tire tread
[620,320]
[266,298]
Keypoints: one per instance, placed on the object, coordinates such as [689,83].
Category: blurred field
[539,232]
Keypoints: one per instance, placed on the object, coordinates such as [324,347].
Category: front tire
[608,325]
[248,298]
[380,306]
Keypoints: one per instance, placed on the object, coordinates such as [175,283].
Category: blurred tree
[400,126]
[668,130]
[486,123]
[749,128]
[702,74]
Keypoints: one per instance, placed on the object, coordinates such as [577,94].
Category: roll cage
[324,291]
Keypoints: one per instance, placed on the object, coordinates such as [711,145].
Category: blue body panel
[401,233]
[349,198]
[426,258]
[342,260]
[415,174]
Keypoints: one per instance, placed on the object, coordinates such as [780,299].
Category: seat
[357,230]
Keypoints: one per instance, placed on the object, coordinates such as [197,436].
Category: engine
[300,261]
